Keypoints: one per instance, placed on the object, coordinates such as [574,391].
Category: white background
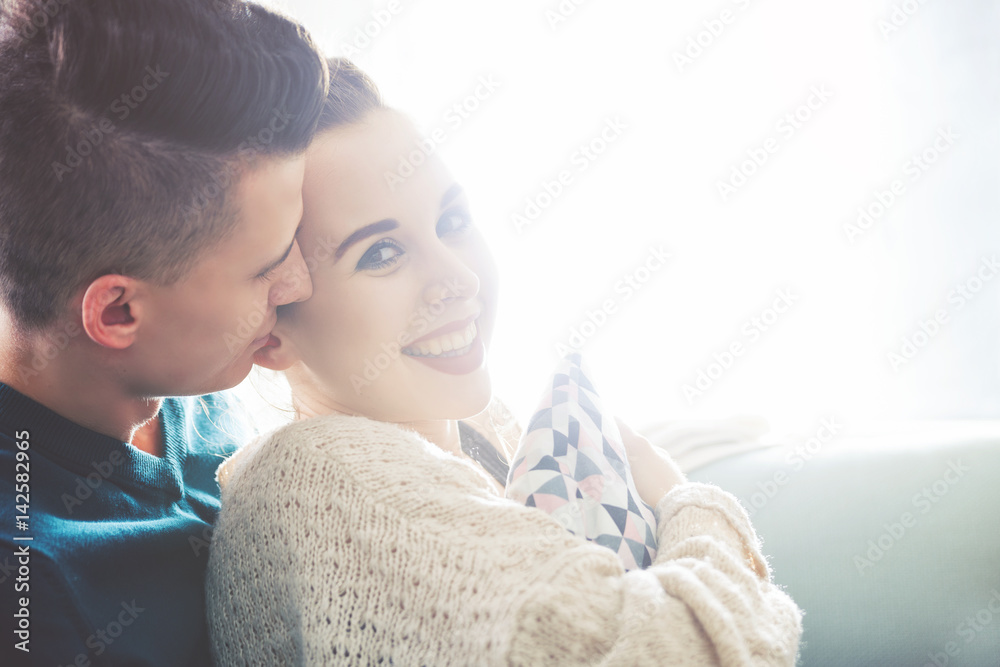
[562,75]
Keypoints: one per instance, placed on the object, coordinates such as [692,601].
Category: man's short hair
[122,125]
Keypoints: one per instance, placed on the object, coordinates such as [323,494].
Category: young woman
[364,533]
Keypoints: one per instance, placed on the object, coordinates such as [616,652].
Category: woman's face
[404,287]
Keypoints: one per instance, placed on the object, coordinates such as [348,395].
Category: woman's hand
[653,471]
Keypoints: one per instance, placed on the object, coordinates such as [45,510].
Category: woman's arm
[653,471]
[656,474]
[698,603]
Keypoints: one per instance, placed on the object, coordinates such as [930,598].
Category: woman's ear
[279,354]
[111,312]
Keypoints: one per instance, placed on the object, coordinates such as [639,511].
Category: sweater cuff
[696,510]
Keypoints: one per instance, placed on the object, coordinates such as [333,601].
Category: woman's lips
[452,327]
[459,361]
[448,341]
[261,344]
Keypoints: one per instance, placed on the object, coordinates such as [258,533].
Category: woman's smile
[455,353]
[448,341]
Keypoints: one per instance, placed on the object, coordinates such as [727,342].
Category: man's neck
[93,400]
[149,437]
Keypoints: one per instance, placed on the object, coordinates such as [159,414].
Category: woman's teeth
[447,345]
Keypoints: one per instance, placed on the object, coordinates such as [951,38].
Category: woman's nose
[451,280]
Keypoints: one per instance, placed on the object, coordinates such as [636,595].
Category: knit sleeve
[381,549]
[700,603]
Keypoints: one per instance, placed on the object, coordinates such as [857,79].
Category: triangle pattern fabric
[585,467]
[571,463]
[540,420]
[555,487]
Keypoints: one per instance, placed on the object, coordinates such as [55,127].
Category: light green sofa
[890,541]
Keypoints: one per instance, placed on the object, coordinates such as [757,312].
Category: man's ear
[279,354]
[110,311]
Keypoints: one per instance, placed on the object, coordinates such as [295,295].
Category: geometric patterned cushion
[571,463]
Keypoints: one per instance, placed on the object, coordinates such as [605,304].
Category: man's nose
[293,282]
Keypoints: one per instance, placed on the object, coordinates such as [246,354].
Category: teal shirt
[113,572]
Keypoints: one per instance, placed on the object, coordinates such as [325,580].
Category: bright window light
[776,208]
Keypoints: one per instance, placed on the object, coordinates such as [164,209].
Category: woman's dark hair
[122,125]
[352,95]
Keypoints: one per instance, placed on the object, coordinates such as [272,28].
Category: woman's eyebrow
[363,233]
[450,194]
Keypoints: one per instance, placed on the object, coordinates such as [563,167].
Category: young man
[150,191]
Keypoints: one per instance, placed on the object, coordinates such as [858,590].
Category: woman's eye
[379,256]
[456,220]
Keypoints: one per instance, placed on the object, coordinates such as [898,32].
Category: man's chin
[228,378]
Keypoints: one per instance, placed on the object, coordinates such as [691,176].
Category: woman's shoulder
[360,451]
[318,437]
[343,433]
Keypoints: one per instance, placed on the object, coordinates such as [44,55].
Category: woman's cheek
[489,278]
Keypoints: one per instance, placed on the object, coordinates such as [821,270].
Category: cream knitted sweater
[345,541]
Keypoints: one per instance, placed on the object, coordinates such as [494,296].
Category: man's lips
[266,339]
